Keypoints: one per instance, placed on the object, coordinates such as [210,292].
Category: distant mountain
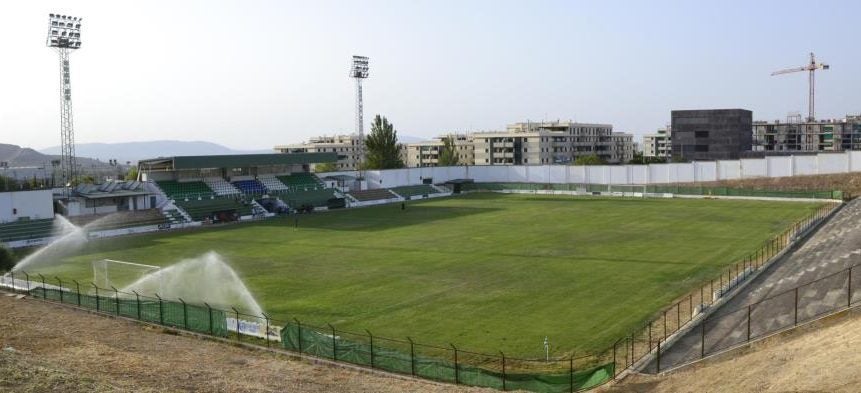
[135,151]
[17,156]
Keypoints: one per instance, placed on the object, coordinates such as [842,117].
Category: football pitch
[485,272]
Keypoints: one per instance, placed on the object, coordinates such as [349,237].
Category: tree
[7,259]
[382,150]
[448,154]
[132,174]
[325,167]
[591,159]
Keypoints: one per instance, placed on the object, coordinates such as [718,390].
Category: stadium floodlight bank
[64,35]
[359,71]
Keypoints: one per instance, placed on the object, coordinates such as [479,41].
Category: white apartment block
[348,148]
[658,144]
[426,154]
[552,143]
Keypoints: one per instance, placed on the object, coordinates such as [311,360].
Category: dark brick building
[712,134]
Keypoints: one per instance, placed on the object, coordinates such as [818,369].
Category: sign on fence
[254,329]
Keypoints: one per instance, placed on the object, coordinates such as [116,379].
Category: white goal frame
[103,266]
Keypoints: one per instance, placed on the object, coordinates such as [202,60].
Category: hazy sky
[252,74]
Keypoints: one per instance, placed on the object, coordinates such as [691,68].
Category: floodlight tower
[359,71]
[64,35]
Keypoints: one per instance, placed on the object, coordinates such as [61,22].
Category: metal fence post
[78,290]
[116,299]
[334,344]
[98,307]
[184,314]
[27,279]
[59,281]
[571,372]
[658,359]
[209,311]
[299,327]
[412,357]
[371,338]
[614,358]
[44,288]
[503,370]
[665,326]
[796,306]
[456,368]
[703,338]
[748,322]
[160,310]
[138,302]
[12,277]
[236,312]
[650,336]
[849,289]
[267,329]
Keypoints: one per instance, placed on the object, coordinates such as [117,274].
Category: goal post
[108,273]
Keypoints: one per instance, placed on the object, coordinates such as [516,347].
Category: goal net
[109,273]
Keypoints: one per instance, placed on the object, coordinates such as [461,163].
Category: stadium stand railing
[372,195]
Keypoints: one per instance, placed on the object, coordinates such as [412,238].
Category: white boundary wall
[823,163]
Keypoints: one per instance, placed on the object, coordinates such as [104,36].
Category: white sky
[252,74]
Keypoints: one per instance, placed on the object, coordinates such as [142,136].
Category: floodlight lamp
[360,67]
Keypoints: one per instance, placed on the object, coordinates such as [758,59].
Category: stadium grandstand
[234,187]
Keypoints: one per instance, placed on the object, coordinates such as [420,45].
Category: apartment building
[551,143]
[426,154]
[658,144]
[796,135]
[347,147]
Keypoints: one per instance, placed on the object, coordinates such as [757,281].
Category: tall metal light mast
[811,67]
[64,35]
[359,71]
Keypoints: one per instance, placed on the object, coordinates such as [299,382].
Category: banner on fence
[253,328]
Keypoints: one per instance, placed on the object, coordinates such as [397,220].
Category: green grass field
[486,272]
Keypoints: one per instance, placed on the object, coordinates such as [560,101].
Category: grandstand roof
[235,160]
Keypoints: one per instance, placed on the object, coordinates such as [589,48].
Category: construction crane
[811,67]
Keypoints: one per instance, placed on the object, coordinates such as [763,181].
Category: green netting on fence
[190,317]
[407,360]
[653,189]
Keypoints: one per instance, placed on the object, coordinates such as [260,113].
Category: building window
[701,134]
[701,148]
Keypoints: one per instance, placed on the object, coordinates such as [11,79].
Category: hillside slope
[821,357]
[45,347]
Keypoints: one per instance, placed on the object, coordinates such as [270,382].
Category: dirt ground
[846,182]
[823,357]
[46,347]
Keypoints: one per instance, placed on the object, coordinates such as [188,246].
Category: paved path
[770,299]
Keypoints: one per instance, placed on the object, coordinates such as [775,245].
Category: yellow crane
[811,67]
